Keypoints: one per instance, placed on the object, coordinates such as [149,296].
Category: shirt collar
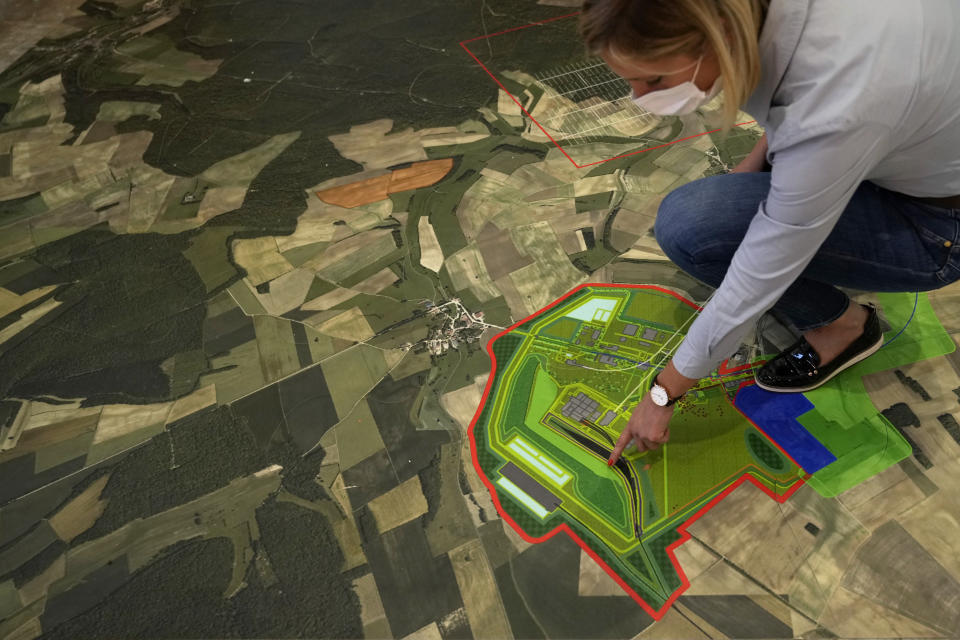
[778,42]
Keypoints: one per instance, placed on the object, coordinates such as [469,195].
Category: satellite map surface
[319,320]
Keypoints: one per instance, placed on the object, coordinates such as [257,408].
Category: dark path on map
[623,466]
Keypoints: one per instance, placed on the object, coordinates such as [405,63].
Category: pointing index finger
[622,443]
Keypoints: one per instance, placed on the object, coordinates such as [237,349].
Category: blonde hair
[653,29]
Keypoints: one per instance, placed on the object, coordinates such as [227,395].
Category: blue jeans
[883,241]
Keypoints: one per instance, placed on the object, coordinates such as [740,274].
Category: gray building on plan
[580,407]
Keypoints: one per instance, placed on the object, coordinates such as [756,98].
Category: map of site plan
[320,320]
[561,391]
[555,417]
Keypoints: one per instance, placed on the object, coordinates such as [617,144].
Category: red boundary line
[722,369]
[524,26]
[463,43]
[656,614]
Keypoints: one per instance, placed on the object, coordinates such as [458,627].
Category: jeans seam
[805,327]
[694,256]
[930,236]
[872,263]
[824,323]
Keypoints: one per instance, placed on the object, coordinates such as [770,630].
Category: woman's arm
[811,185]
[756,160]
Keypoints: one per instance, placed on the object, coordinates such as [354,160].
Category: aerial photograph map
[322,319]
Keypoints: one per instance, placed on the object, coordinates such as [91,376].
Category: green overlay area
[553,414]
[846,421]
[565,382]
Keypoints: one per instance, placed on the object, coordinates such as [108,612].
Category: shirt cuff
[691,364]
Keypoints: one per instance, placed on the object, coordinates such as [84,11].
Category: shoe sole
[863,355]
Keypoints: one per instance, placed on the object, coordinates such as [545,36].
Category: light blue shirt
[850,90]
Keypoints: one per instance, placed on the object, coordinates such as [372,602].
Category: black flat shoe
[798,368]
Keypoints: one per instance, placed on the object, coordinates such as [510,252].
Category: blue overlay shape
[776,414]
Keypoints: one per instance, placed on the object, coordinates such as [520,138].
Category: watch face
[659,395]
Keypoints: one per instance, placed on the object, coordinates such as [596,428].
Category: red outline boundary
[681,529]
[463,43]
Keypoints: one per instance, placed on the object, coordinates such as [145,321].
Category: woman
[860,101]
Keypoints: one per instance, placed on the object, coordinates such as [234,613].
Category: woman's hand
[750,165]
[648,427]
[756,160]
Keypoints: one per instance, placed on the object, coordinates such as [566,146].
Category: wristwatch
[660,395]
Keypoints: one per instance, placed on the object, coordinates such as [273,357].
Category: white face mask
[679,100]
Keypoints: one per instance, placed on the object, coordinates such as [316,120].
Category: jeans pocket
[941,242]
[950,273]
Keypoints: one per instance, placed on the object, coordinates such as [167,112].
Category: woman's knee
[680,220]
[707,213]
